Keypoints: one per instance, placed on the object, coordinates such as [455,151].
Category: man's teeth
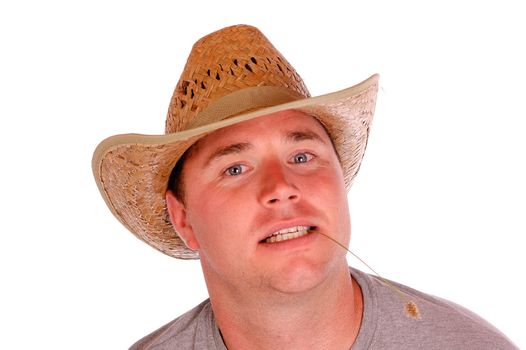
[288,233]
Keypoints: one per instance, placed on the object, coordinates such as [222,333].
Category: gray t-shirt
[442,324]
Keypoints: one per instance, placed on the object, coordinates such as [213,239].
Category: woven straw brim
[132,170]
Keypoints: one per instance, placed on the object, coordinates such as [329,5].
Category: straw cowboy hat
[232,75]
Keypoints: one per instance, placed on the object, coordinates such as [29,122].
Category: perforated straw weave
[232,75]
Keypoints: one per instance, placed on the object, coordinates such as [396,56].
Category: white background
[439,203]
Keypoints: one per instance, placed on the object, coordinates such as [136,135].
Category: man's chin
[299,275]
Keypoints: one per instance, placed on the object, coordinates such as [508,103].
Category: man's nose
[278,187]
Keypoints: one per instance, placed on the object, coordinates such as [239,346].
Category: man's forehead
[285,123]
[289,125]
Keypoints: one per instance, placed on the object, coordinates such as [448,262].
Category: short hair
[175,182]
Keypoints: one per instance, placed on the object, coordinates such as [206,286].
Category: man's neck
[324,318]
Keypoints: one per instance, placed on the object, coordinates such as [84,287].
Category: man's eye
[235,170]
[302,157]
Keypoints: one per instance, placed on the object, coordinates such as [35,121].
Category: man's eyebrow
[226,150]
[297,136]
[291,136]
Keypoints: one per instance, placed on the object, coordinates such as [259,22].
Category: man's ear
[178,216]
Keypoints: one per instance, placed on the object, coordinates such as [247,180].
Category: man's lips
[288,233]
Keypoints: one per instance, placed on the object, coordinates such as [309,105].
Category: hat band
[244,100]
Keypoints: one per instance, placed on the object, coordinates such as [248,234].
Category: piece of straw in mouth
[411,309]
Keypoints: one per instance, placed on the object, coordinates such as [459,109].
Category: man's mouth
[288,233]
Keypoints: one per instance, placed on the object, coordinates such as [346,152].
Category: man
[251,178]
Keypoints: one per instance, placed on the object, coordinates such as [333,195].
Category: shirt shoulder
[441,324]
[194,329]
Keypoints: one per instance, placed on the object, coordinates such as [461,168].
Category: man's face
[248,181]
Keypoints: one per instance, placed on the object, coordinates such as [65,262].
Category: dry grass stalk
[411,309]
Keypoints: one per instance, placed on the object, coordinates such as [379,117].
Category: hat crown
[223,62]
